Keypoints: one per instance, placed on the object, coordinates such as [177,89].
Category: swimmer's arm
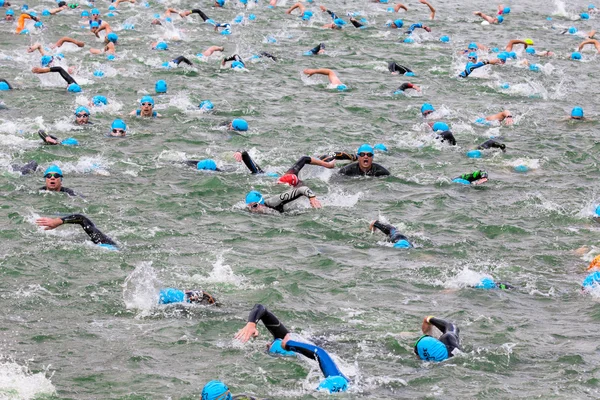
[260,313]
[37,47]
[321,163]
[133,113]
[398,6]
[68,78]
[250,164]
[511,43]
[49,223]
[57,10]
[385,228]
[443,325]
[591,34]
[432,15]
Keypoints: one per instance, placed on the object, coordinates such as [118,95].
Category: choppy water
[77,320]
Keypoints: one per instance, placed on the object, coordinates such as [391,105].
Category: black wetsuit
[200,13]
[252,166]
[339,155]
[181,59]
[318,48]
[5,81]
[88,226]
[354,170]
[394,67]
[63,189]
[28,168]
[449,336]
[277,202]
[473,176]
[356,23]
[260,313]
[268,55]
[234,57]
[447,136]
[65,75]
[492,144]
[391,231]
[404,86]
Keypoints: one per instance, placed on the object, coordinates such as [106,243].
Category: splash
[19,383]
[221,273]
[141,288]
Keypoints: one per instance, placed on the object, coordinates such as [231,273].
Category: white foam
[141,288]
[19,383]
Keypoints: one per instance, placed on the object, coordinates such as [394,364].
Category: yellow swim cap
[595,264]
[529,42]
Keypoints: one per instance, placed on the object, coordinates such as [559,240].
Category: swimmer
[428,348]
[9,15]
[417,25]
[238,124]
[502,117]
[591,282]
[472,64]
[473,46]
[395,24]
[577,114]
[66,39]
[489,284]
[110,42]
[88,226]
[492,144]
[333,78]
[156,21]
[365,165]
[5,85]
[492,20]
[96,28]
[399,240]
[476,178]
[595,264]
[118,128]
[431,9]
[28,168]
[399,6]
[426,110]
[320,49]
[257,204]
[53,140]
[211,50]
[4,3]
[442,132]
[82,116]
[170,296]
[593,42]
[206,164]
[512,43]
[226,30]
[217,390]
[147,108]
[21,21]
[405,86]
[202,15]
[334,380]
[236,61]
[337,23]
[397,69]
[62,5]
[72,85]
[177,61]
[54,176]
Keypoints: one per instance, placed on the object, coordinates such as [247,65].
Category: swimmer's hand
[49,223]
[314,202]
[308,72]
[509,121]
[238,156]
[372,226]
[247,332]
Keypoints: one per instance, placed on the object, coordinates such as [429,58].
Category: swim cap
[444,39]
[94,24]
[591,281]
[237,64]
[112,8]
[474,154]
[530,50]
[254,197]
[500,19]
[24,31]
[506,10]
[25,7]
[238,19]
[595,262]
[168,19]
[160,86]
[409,40]
[529,42]
[209,164]
[38,24]
[98,73]
[82,109]
[53,169]
[75,88]
[221,2]
[1,3]
[112,37]
[572,30]
[512,55]
[110,57]
[307,15]
[431,349]
[381,147]
[472,55]
[426,107]
[486,283]
[33,13]
[147,99]
[10,12]
[598,210]
[334,384]
[521,168]
[440,126]
[277,350]
[166,64]
[402,244]
[46,60]
[534,68]
[85,13]
[290,179]
[4,86]
[576,55]
[70,142]
[110,14]
[161,46]
[461,181]
[99,100]
[95,11]
[206,105]
[577,112]
[365,148]
[584,16]
[339,22]
[119,124]
[45,13]
[399,23]
[215,390]
[503,57]
[472,46]
[251,17]
[239,124]
[170,295]
[410,73]
[342,87]
[494,50]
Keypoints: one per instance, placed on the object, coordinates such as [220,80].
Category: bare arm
[398,6]
[432,15]
[511,43]
[35,47]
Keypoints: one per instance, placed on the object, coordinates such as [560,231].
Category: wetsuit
[449,335]
[492,144]
[138,112]
[200,13]
[181,59]
[65,75]
[470,67]
[277,202]
[68,191]
[260,313]
[446,136]
[473,176]
[8,84]
[98,21]
[393,67]
[391,231]
[354,170]
[235,57]
[88,226]
[265,54]
[417,25]
[318,48]
[404,86]
[28,168]
[252,166]
[339,155]
[356,23]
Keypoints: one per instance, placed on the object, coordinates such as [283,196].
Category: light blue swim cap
[409,40]
[53,169]
[598,210]
[10,12]
[216,390]
[46,60]
[584,16]
[521,168]
[339,22]
[365,148]
[494,50]
[221,2]
[409,73]
[307,15]
[402,244]
[504,86]
[95,11]
[166,64]
[251,17]
[506,10]
[82,109]
[94,24]
[591,281]
[576,55]
[160,86]
[238,19]
[112,37]
[110,14]
[38,24]
[472,55]
[572,30]
[147,99]
[530,50]
[534,68]
[99,100]
[206,105]
[33,13]
[209,164]
[440,126]
[74,88]
[45,13]
[503,57]
[237,64]
[577,112]
[99,73]
[170,295]
[277,349]
[119,124]
[70,142]
[500,19]
[112,8]
[168,19]
[399,23]
[271,39]
[110,57]
[25,7]
[25,32]
[334,384]
[461,181]
[472,46]
[4,86]
[474,154]
[254,197]
[512,55]
[444,39]
[486,283]
[161,46]
[426,107]
[390,9]
[431,349]
[342,87]
[85,13]
[381,147]
[239,124]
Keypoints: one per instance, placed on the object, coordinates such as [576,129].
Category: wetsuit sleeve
[326,363]
[271,56]
[277,202]
[356,23]
[471,67]
[5,81]
[351,170]
[339,155]
[64,74]
[450,334]
[200,13]
[260,313]
[316,50]
[385,228]
[378,170]
[68,191]
[448,137]
[394,67]
[443,325]
[333,16]
[191,163]
[234,57]
[252,166]
[30,167]
[181,59]
[405,86]
[88,226]
[491,143]
[299,165]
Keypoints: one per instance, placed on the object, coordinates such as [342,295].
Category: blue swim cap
[426,107]
[512,55]
[110,14]
[237,64]
[110,57]
[444,39]
[521,168]
[53,169]
[402,244]
[206,105]
[500,19]
[307,15]
[82,109]
[160,86]
[70,142]
[99,73]
[334,384]
[342,87]
[494,50]
[486,283]
[170,295]
[339,22]
[576,55]
[24,32]
[10,12]
[94,24]
[166,64]
[474,154]
[112,8]
[534,68]
[238,19]
[168,19]
[472,55]
[503,57]
[95,11]
[598,210]
[399,23]
[251,17]
[46,60]
[25,7]
[85,13]
[381,147]
[99,100]
[461,181]
[591,281]
[584,16]
[530,50]
[74,88]
[440,126]
[221,2]
[472,46]
[45,13]
[161,46]
[572,30]
[209,164]
[577,112]
[365,148]
[216,390]
[33,13]
[147,99]
[4,86]
[506,10]
[239,124]
[482,121]
[38,24]
[591,7]
[409,74]
[254,197]
[409,40]
[156,16]
[277,350]
[431,349]
[112,37]
[119,124]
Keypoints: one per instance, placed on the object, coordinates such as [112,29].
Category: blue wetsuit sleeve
[326,363]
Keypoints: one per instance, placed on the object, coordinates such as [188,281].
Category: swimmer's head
[506,10]
[427,109]
[334,384]
[577,113]
[118,128]
[591,281]
[85,14]
[512,55]
[147,100]
[160,86]
[503,57]
[53,171]
[46,60]
[339,22]
[99,100]
[500,19]
[33,14]
[472,46]
[576,55]
[402,244]
[530,50]
[74,88]
[10,12]
[237,64]
[572,30]
[431,349]
[534,68]
[4,86]
[95,11]
[584,16]
[440,126]
[591,7]
[306,15]
[161,46]
[112,37]
[216,390]
[472,56]
[254,200]
[444,39]
[206,105]
[45,13]
[110,57]
[342,87]
[209,165]
[474,154]
[381,147]
[239,124]
[398,23]
[486,283]
[82,109]
[366,150]
[409,40]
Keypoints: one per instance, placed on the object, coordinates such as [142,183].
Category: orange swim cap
[290,179]
[595,264]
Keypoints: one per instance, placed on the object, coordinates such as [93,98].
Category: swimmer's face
[53,181]
[256,208]
[427,113]
[95,17]
[365,160]
[156,22]
[82,118]
[118,132]
[10,18]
